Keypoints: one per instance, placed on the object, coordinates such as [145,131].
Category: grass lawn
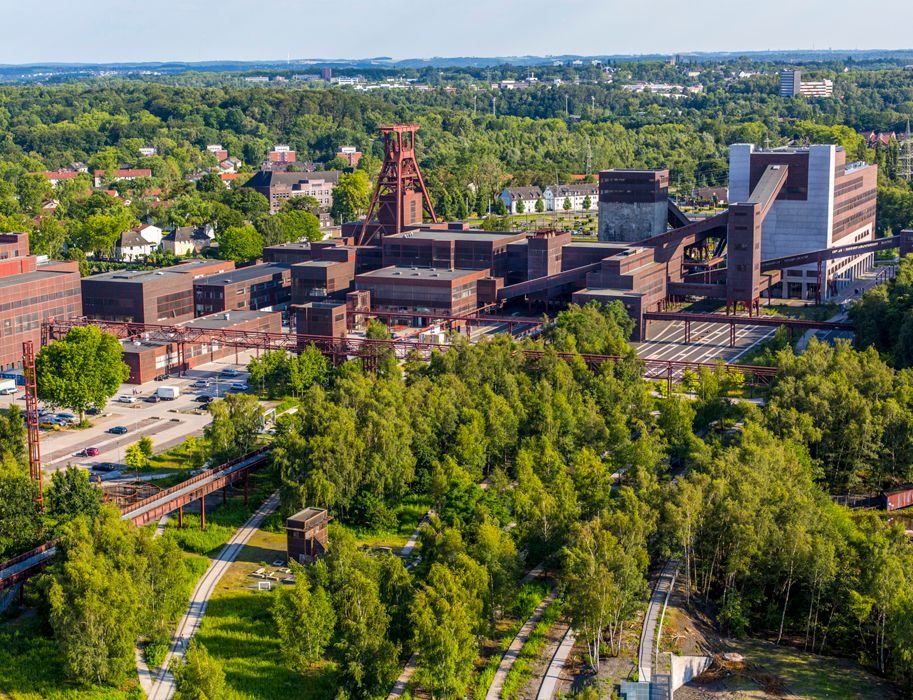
[813,676]
[239,632]
[31,667]
[408,515]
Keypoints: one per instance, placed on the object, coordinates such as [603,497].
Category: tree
[247,201]
[13,446]
[240,243]
[351,197]
[445,618]
[85,368]
[32,189]
[236,422]
[305,619]
[134,458]
[70,494]
[540,205]
[587,202]
[567,204]
[198,676]
[94,600]
[20,519]
[521,207]
[300,225]
[603,586]
[210,182]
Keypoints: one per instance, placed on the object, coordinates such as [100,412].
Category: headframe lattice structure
[400,192]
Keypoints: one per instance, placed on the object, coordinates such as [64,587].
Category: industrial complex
[800,223]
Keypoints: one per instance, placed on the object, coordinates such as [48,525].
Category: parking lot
[167,422]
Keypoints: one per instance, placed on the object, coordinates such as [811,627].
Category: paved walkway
[549,685]
[652,619]
[163,685]
[513,651]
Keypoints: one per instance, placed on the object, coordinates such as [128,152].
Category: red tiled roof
[58,174]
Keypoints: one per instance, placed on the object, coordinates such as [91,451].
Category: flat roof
[620,245]
[424,273]
[31,277]
[289,246]
[318,263]
[242,274]
[461,235]
[225,319]
[134,276]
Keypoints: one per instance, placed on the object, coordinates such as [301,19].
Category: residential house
[512,196]
[217,151]
[576,194]
[230,165]
[55,176]
[122,174]
[277,187]
[138,242]
[188,240]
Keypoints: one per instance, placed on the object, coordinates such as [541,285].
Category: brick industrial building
[164,295]
[150,357]
[32,290]
[265,286]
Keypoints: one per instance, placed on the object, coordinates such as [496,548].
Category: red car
[90,452]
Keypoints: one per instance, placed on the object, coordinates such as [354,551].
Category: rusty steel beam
[774,321]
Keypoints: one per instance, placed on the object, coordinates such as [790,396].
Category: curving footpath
[549,685]
[516,646]
[163,685]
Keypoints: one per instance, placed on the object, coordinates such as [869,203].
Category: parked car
[7,390]
[67,418]
[230,372]
[238,386]
[90,452]
[200,384]
[106,467]
[126,398]
[203,398]
[93,411]
[45,411]
[152,398]
[118,430]
[161,377]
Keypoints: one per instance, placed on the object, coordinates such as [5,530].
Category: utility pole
[589,156]
[494,111]
[906,155]
[474,97]
[566,110]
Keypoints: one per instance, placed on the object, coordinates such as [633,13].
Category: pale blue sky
[150,30]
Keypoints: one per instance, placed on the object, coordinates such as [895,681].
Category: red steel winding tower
[400,192]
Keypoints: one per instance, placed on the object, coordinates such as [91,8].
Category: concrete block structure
[266,286]
[324,318]
[164,295]
[633,204]
[320,280]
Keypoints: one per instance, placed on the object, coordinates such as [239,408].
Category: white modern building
[576,195]
[825,202]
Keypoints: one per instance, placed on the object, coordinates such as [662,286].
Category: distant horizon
[131,31]
[306,61]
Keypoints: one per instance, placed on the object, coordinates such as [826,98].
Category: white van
[168,393]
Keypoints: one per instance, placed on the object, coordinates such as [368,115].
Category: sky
[34,31]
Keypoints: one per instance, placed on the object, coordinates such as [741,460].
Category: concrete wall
[685,668]
[631,221]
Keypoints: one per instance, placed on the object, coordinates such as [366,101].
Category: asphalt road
[169,422]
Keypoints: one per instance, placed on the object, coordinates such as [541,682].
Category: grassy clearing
[177,458]
[238,631]
[522,669]
[813,676]
[408,515]
[810,312]
[31,667]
